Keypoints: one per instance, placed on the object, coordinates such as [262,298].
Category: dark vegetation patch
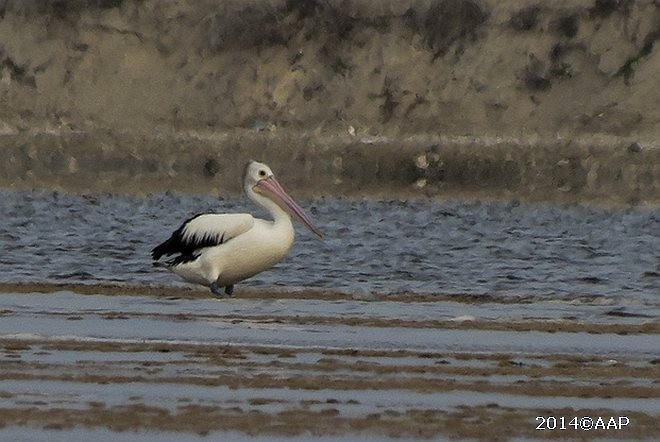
[250,27]
[539,74]
[389,94]
[605,8]
[558,66]
[211,167]
[534,76]
[628,68]
[60,9]
[451,21]
[17,72]
[443,24]
[525,19]
[567,25]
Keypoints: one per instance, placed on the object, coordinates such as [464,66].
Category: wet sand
[176,363]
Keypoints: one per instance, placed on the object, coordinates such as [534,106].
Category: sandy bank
[479,67]
[602,170]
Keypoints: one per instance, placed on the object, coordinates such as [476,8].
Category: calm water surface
[384,246]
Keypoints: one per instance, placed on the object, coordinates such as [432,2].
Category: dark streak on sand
[190,292]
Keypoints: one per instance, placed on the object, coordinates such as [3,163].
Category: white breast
[252,252]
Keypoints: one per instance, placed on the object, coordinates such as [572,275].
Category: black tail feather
[161,250]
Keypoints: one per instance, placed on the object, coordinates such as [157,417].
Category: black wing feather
[176,244]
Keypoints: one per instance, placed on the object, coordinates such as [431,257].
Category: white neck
[279,215]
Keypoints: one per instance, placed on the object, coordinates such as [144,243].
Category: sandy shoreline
[646,324]
[174,360]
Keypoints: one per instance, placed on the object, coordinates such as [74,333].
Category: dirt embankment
[118,80]
[444,66]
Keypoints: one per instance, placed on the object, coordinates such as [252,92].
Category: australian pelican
[219,250]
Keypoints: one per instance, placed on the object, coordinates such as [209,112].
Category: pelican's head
[259,182]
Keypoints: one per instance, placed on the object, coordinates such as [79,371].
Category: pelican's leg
[217,290]
[229,290]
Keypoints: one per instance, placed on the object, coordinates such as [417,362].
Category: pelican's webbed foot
[217,290]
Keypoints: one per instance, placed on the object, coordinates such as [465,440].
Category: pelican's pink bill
[270,187]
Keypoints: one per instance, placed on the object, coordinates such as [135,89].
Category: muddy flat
[174,364]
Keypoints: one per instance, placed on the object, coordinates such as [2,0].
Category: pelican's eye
[262,173]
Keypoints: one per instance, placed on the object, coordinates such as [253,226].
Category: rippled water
[384,246]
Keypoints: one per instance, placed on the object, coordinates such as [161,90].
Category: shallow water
[49,315]
[382,246]
[214,365]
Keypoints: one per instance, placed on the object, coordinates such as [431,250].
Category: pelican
[219,250]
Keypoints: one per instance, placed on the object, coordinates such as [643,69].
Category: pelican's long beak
[273,190]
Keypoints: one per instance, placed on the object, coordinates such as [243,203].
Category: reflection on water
[384,246]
